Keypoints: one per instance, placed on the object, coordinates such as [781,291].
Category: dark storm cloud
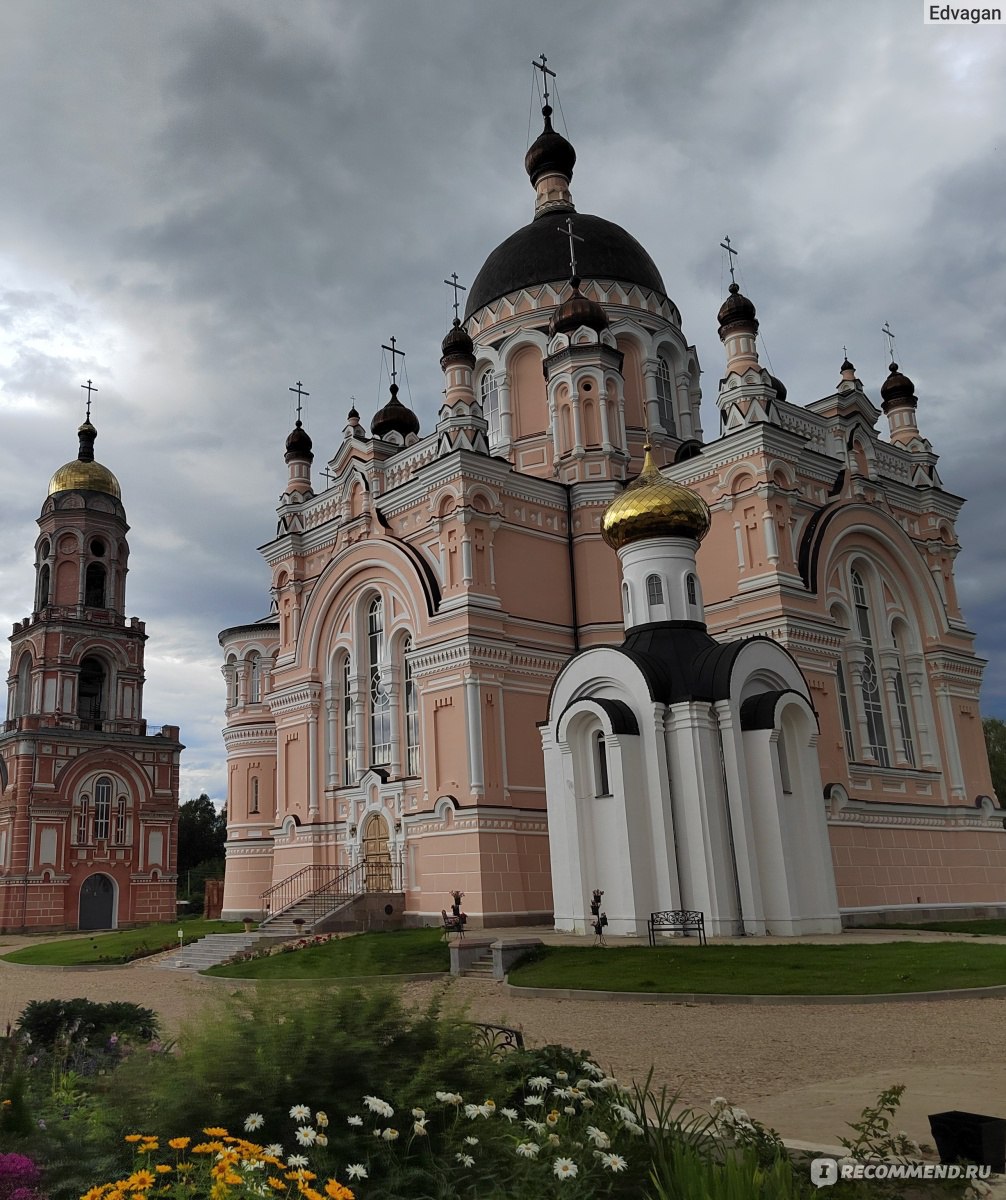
[206,202]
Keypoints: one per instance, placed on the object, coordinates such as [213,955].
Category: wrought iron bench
[452,924]
[677,920]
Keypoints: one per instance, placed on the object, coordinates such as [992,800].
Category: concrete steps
[481,967]
[214,948]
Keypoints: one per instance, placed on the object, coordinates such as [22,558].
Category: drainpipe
[572,566]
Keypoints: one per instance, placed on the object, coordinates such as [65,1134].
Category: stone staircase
[212,949]
[305,911]
[481,967]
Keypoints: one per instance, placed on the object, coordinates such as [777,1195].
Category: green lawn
[120,946]
[990,925]
[402,952]
[797,970]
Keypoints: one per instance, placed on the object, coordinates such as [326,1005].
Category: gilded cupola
[654,507]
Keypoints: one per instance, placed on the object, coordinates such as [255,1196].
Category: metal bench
[677,920]
[453,924]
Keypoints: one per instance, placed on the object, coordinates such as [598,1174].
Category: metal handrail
[325,888]
[298,885]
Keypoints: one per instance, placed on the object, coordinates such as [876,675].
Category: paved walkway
[804,1069]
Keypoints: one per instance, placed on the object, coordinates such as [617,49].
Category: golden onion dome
[651,507]
[83,474]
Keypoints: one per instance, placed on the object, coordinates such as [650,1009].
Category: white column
[473,715]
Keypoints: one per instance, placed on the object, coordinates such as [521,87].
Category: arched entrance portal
[377,854]
[97,903]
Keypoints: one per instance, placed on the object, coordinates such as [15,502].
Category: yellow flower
[215,1131]
[276,1184]
[140,1179]
[179,1143]
[162,1169]
[336,1191]
[134,1137]
[208,1148]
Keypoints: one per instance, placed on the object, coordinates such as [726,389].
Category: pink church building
[88,794]
[390,723]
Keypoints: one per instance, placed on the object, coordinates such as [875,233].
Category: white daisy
[254,1121]
[296,1160]
[354,1120]
[471,1141]
[306,1136]
[472,1111]
[592,1069]
[509,1113]
[465,1160]
[562,1076]
[356,1171]
[532,1100]
[449,1097]
[300,1112]
[598,1137]
[535,1126]
[528,1149]
[571,1109]
[614,1162]
[379,1106]
[564,1168]
[419,1127]
[273,1150]
[390,1134]
[539,1083]
[419,1113]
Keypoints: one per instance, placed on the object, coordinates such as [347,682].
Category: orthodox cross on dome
[567,229]
[89,388]
[889,334]
[458,287]
[393,352]
[328,477]
[545,72]
[300,398]
[731,252]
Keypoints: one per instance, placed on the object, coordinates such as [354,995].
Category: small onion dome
[457,345]
[651,507]
[550,153]
[298,444]
[83,474]
[736,310]
[353,415]
[897,389]
[394,417]
[577,310]
[846,365]
[780,388]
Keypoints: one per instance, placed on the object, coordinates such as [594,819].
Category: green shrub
[44,1020]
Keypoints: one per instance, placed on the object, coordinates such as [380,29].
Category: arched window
[490,399]
[232,681]
[102,807]
[94,585]
[42,599]
[253,800]
[873,707]
[120,821]
[692,589]
[665,396]
[843,704]
[626,604]
[91,694]
[83,815]
[601,787]
[784,776]
[654,590]
[22,694]
[904,713]
[411,712]
[348,724]
[380,701]
[254,678]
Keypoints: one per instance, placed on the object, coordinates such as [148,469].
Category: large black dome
[537,254]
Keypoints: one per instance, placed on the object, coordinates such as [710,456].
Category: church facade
[89,799]
[462,686]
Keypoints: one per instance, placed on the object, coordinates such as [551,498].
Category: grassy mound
[119,947]
[794,970]
[401,952]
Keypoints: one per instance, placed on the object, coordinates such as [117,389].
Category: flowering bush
[301,943]
[19,1178]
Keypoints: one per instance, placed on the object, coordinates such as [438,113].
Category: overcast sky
[204,201]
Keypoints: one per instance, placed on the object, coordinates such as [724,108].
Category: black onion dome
[536,254]
[846,365]
[577,310]
[457,345]
[394,417]
[898,389]
[298,444]
[780,388]
[550,153]
[736,309]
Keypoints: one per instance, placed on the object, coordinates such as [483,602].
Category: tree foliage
[995,742]
[202,832]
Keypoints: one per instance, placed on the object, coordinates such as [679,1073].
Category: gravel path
[806,1069]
